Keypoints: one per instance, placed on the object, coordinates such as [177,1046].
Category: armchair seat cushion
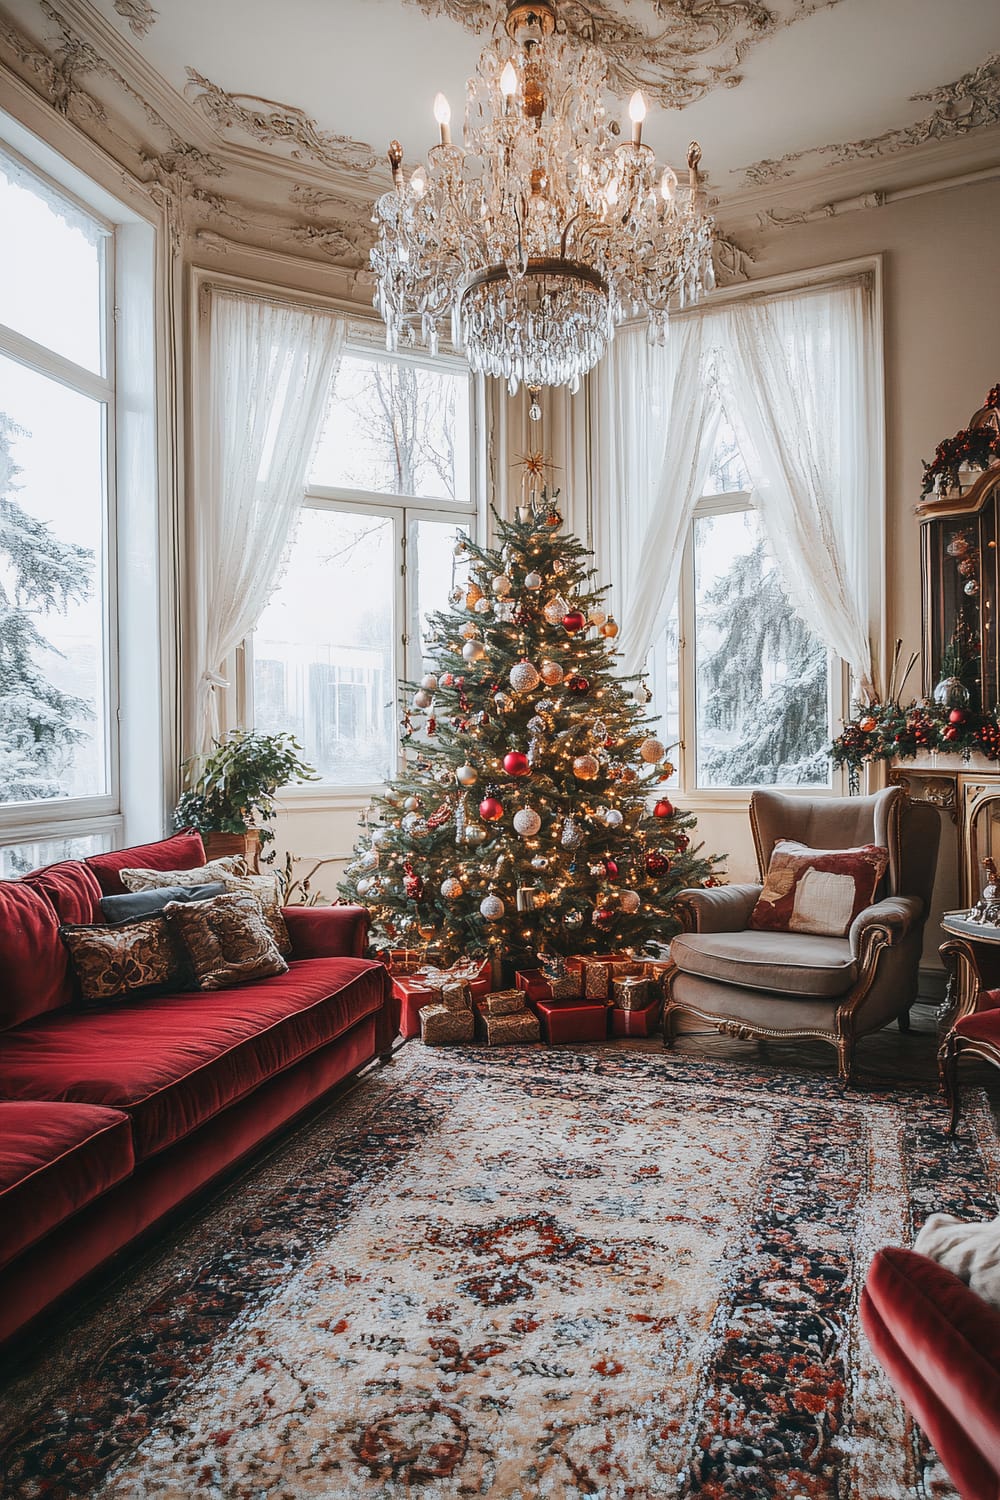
[795,964]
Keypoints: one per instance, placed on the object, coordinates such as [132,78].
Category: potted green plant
[231,792]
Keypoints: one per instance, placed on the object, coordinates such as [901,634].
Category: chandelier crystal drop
[545,230]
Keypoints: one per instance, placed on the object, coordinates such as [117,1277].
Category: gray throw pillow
[134,904]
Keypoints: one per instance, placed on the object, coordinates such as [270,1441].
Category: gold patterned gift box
[502,1003]
[655,970]
[453,994]
[441,1026]
[522,1027]
[596,972]
[631,992]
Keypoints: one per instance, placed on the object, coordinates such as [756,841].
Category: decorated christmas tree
[531,812]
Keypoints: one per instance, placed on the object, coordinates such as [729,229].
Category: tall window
[372,556]
[745,687]
[58,693]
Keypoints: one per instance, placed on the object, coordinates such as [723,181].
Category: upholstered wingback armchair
[784,985]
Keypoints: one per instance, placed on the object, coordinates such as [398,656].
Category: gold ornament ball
[597,617]
[552,673]
[451,888]
[586,767]
[610,628]
[466,775]
[554,611]
[629,902]
[469,631]
[473,594]
[475,834]
[473,651]
[651,751]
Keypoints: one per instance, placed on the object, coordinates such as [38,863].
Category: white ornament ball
[412,804]
[429,683]
[501,585]
[369,859]
[364,886]
[466,775]
[597,617]
[552,673]
[470,631]
[523,677]
[492,908]
[554,610]
[652,750]
[483,606]
[475,834]
[422,699]
[613,818]
[527,822]
[451,888]
[379,837]
[629,901]
[532,580]
[641,694]
[586,767]
[473,651]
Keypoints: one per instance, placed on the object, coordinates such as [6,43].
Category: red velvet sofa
[940,1345]
[111,1117]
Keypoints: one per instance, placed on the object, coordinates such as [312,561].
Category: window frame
[68,817]
[730,502]
[399,509]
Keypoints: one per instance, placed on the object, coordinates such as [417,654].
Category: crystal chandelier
[546,230]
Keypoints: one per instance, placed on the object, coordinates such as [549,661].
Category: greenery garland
[888,731]
[978,447]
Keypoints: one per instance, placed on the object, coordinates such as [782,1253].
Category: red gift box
[572,1020]
[637,1022]
[413,993]
[537,987]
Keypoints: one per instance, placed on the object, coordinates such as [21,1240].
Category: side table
[971,956]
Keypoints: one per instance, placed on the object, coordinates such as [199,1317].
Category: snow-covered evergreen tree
[782,720]
[39,724]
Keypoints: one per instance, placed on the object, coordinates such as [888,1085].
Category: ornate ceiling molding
[972,102]
[139,14]
[275,124]
[687,49]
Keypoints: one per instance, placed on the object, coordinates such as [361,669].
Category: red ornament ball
[573,622]
[657,863]
[491,810]
[578,685]
[957,716]
[611,869]
[516,763]
[664,808]
[681,842]
[603,916]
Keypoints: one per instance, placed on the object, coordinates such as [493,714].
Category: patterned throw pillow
[226,939]
[134,958]
[151,880]
[232,875]
[817,890]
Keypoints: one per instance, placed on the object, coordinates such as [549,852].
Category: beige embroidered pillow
[226,939]
[129,959]
[229,872]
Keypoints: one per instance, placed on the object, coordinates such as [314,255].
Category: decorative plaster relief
[731,259]
[970,103]
[688,48]
[139,14]
[275,124]
[776,218]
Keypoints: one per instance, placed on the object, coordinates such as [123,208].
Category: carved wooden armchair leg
[948,1074]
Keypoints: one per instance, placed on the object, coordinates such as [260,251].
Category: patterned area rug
[589,1272]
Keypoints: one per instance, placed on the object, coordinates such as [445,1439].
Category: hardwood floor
[888,1056]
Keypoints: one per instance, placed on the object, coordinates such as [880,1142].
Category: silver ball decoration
[527,822]
[523,677]
[475,834]
[613,818]
[501,585]
[451,888]
[466,775]
[532,580]
[473,651]
[492,908]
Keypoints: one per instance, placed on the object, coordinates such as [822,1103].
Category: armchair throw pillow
[227,939]
[818,891]
[126,961]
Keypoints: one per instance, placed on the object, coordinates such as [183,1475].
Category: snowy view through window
[325,650]
[53,501]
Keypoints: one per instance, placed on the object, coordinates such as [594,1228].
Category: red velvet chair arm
[940,1345]
[988,1000]
[327,931]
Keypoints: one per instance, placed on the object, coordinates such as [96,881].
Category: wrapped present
[502,1003]
[637,1022]
[539,986]
[496,1030]
[456,994]
[656,971]
[596,978]
[630,992]
[428,985]
[404,960]
[572,1020]
[441,1026]
[623,968]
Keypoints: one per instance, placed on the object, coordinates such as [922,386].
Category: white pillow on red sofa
[232,874]
[969,1251]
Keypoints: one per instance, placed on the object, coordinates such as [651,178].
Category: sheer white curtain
[801,373]
[271,370]
[657,421]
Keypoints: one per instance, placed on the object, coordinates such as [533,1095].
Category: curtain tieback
[214,680]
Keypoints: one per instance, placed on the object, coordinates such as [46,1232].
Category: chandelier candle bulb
[637,113]
[442,113]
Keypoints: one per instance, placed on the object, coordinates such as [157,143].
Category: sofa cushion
[782,963]
[71,889]
[54,1159]
[126,959]
[232,875]
[174,1062]
[227,940]
[115,909]
[184,851]
[34,966]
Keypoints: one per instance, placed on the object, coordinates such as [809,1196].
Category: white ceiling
[841,70]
